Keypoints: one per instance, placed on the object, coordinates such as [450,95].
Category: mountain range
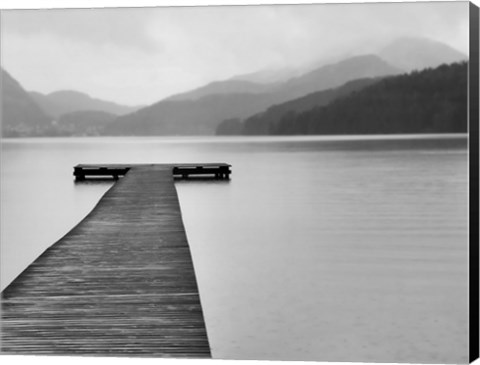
[68,101]
[263,122]
[202,115]
[427,101]
[202,110]
[224,87]
[20,114]
[270,76]
[409,53]
[61,113]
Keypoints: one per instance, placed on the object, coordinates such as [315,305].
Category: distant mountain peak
[370,60]
[21,116]
[410,53]
[269,76]
[69,92]
[411,40]
[224,87]
[67,101]
[336,74]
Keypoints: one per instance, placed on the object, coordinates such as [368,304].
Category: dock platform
[122,282]
[184,170]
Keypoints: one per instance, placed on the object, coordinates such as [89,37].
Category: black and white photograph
[283,182]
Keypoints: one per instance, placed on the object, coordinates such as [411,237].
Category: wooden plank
[121,282]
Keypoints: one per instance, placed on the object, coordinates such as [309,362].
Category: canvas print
[263,182]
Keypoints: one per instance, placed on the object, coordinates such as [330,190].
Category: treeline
[428,101]
[265,123]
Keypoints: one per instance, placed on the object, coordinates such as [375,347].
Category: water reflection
[324,248]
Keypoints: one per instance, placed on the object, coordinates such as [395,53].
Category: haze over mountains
[19,112]
[264,122]
[428,101]
[60,113]
[67,101]
[225,87]
[175,117]
[410,53]
[202,110]
[270,76]
[323,77]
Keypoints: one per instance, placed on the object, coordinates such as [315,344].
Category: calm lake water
[322,248]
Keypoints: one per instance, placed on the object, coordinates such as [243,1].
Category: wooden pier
[121,282]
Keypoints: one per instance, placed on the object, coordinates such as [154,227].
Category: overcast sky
[139,56]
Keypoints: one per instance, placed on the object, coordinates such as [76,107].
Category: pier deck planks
[122,282]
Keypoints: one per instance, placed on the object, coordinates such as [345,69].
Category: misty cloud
[122,27]
[138,56]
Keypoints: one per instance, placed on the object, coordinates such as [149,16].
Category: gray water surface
[319,248]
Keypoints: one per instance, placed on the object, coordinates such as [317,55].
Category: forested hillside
[428,101]
[261,123]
